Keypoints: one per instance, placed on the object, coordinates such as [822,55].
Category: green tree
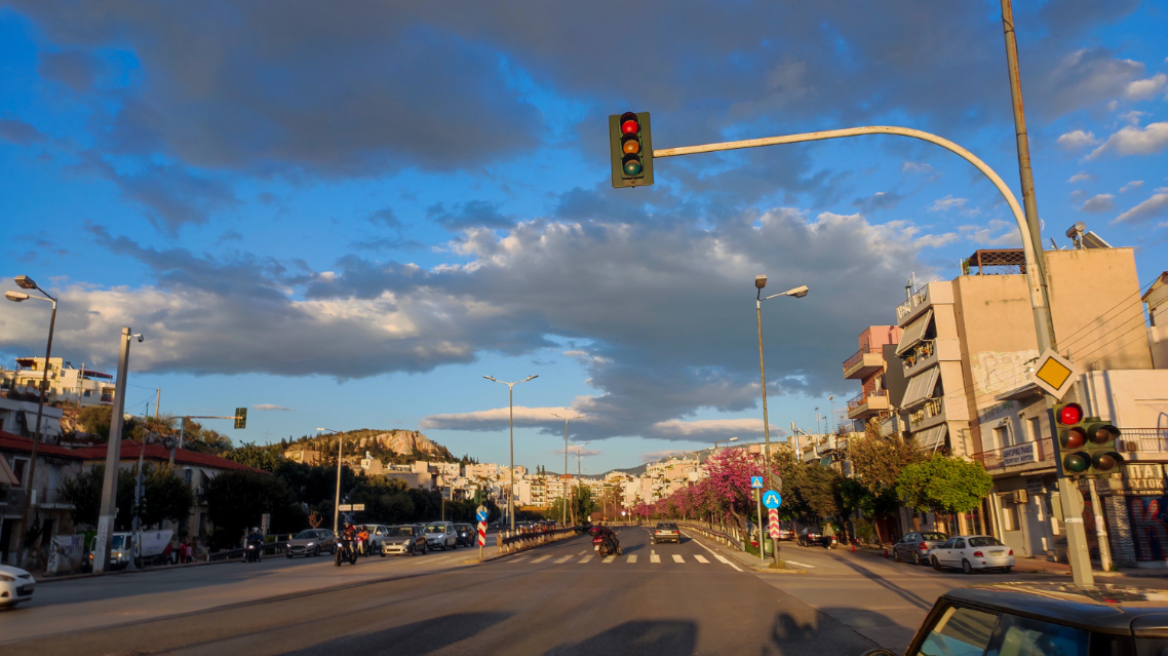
[943,484]
[878,460]
[96,420]
[236,501]
[167,497]
[266,458]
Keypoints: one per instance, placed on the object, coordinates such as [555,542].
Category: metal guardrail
[520,541]
[1141,440]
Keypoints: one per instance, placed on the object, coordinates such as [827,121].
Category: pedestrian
[185,551]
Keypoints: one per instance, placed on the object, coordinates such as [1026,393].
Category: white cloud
[1135,141]
[1077,194]
[1134,184]
[936,241]
[1077,140]
[1081,176]
[270,406]
[1144,89]
[947,203]
[1099,203]
[995,233]
[1152,208]
[711,427]
[496,418]
[1133,117]
[916,167]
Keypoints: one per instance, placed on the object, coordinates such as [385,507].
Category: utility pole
[565,486]
[1069,495]
[157,402]
[113,458]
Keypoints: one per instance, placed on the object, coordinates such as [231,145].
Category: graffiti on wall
[1149,530]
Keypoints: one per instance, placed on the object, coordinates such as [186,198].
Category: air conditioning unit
[1020,496]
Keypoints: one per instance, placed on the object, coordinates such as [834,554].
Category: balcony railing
[1028,453]
[916,298]
[859,355]
[862,398]
[932,407]
[1141,440]
[919,354]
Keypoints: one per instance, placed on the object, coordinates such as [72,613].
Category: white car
[16,586]
[970,552]
[441,535]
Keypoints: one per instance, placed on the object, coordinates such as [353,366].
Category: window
[1002,436]
[19,467]
[1020,636]
[1035,425]
[958,544]
[961,632]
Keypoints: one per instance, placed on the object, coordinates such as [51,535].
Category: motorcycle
[604,546]
[829,542]
[345,552]
[254,551]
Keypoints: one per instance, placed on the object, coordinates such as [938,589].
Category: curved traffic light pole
[1038,292]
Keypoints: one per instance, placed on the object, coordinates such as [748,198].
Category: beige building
[66,383]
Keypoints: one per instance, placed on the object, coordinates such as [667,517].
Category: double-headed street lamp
[24,282]
[565,486]
[337,499]
[511,407]
[760,282]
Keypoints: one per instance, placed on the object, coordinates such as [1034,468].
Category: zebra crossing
[588,558]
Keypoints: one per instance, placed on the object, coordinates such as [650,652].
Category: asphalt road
[664,599]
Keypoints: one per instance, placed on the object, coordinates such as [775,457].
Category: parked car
[809,538]
[1042,618]
[311,542]
[916,545]
[467,535]
[666,532]
[377,533]
[16,586]
[408,539]
[970,552]
[441,535]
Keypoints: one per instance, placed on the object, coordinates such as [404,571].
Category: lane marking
[609,559]
[560,561]
[582,552]
[715,554]
[678,559]
[518,559]
[585,559]
[633,559]
[795,562]
[654,558]
[701,559]
[540,559]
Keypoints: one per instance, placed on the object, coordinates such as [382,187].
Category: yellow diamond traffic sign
[1054,374]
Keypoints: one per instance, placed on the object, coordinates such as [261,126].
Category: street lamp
[511,407]
[24,282]
[565,486]
[579,471]
[733,439]
[337,499]
[760,282]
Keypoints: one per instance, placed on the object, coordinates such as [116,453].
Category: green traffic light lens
[1076,463]
[633,167]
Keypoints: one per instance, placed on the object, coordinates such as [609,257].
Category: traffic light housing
[1087,445]
[631,149]
[241,417]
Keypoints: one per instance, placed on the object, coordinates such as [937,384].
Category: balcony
[864,362]
[920,357]
[1028,455]
[915,299]
[868,404]
[1144,444]
[930,413]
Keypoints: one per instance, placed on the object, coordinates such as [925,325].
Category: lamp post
[579,475]
[24,282]
[565,479]
[760,282]
[113,459]
[511,475]
[716,442]
[337,498]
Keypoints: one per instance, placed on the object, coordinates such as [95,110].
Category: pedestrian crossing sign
[756,482]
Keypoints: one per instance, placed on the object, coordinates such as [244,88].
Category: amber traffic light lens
[1075,438]
[631,147]
[1070,413]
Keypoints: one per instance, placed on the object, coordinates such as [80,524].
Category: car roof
[1108,608]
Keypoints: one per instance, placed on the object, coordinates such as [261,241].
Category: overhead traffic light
[631,149]
[1087,444]
[241,417]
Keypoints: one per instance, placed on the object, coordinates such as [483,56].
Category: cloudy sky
[346,214]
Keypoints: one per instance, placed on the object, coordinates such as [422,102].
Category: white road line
[515,560]
[609,559]
[654,558]
[713,553]
[701,559]
[560,561]
[678,559]
[793,562]
[582,552]
[540,559]
[586,559]
[633,559]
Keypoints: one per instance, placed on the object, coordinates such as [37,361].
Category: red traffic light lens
[1076,463]
[1074,438]
[630,126]
[1070,413]
[633,166]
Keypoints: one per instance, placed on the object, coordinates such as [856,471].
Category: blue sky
[356,212]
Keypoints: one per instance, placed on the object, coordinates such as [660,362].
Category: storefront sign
[1034,486]
[1019,454]
[1144,478]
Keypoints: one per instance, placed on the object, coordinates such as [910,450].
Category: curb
[497,556]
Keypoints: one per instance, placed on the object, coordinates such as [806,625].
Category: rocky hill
[387,445]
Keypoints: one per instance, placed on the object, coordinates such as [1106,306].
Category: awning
[914,332]
[931,438]
[50,426]
[920,387]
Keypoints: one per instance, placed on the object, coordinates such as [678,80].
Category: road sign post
[758,503]
[481,516]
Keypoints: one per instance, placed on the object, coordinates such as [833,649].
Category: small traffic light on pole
[241,417]
[1102,444]
[1087,444]
[631,149]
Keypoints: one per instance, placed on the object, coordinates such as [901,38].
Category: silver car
[917,545]
[441,535]
[16,586]
[377,533]
[408,539]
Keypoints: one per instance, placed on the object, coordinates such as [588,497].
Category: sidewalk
[1023,565]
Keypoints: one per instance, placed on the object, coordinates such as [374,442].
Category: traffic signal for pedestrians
[631,149]
[241,417]
[1088,444]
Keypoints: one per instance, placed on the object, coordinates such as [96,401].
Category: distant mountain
[393,444]
[631,471]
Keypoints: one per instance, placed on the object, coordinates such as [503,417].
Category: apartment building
[66,383]
[869,365]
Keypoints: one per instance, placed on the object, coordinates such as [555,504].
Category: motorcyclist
[363,540]
[257,538]
[606,532]
[349,535]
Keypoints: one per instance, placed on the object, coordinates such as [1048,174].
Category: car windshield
[985,542]
[401,531]
[119,541]
[436,529]
[306,535]
[667,527]
[934,537]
